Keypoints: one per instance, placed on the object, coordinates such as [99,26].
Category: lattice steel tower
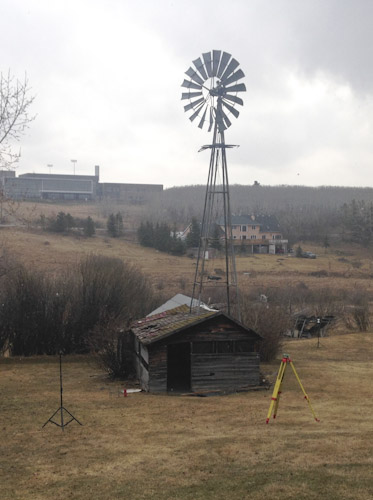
[212,94]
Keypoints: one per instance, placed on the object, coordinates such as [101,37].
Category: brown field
[182,447]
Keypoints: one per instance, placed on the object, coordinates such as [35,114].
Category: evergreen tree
[59,225]
[112,226]
[89,227]
[145,234]
[215,241]
[193,237]
[69,222]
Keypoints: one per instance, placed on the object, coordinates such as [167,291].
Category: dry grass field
[341,267]
[149,446]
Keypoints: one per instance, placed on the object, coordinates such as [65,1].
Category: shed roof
[153,328]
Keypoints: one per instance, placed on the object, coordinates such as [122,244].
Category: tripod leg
[276,389]
[304,392]
[50,419]
[277,402]
[72,417]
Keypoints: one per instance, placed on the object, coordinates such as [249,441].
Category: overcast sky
[107,76]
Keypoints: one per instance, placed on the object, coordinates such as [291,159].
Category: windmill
[212,91]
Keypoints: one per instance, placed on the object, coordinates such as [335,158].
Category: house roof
[266,222]
[153,328]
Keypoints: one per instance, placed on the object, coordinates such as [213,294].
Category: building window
[253,227]
[224,346]
[243,228]
[243,346]
[234,227]
[203,347]
[264,237]
[244,237]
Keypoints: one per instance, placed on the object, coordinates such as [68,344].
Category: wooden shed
[182,351]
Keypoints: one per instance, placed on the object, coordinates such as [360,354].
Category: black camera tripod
[61,409]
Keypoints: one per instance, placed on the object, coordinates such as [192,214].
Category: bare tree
[15,101]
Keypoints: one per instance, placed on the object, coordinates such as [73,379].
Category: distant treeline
[304,213]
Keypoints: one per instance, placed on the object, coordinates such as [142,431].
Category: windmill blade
[200,125]
[207,58]
[223,63]
[230,108]
[220,122]
[196,113]
[190,85]
[233,78]
[192,105]
[230,68]
[200,68]
[193,75]
[240,87]
[215,61]
[227,123]
[234,98]
[190,95]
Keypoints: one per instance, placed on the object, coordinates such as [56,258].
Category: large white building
[73,187]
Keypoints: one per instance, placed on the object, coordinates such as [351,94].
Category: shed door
[178,367]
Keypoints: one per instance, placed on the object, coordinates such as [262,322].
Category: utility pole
[74,163]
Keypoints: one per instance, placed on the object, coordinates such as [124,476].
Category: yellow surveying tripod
[277,389]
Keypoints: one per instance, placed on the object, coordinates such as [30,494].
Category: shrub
[270,321]
[41,315]
[299,251]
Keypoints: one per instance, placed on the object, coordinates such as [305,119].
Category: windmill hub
[218,91]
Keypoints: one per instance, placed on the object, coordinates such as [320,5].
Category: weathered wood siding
[224,371]
[158,368]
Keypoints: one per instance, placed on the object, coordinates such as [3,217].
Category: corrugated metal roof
[153,328]
[178,300]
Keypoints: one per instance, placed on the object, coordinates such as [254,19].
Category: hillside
[341,267]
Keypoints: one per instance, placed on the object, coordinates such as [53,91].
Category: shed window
[243,346]
[203,347]
[224,346]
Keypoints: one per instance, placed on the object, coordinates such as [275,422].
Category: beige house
[259,233]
